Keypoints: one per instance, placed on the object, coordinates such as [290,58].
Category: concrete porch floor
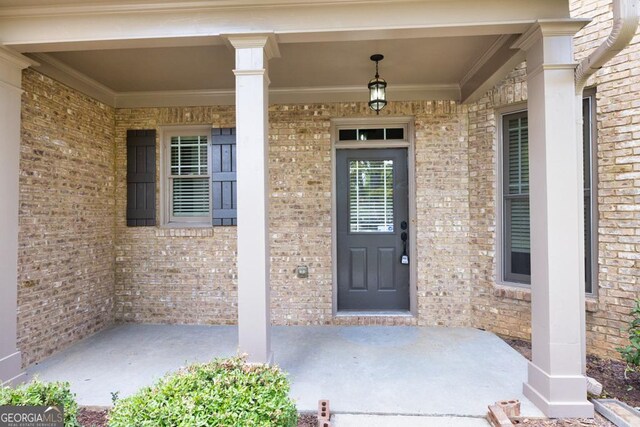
[360,369]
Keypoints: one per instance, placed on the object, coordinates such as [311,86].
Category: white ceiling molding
[486,57]
[175,98]
[310,95]
[496,77]
[493,66]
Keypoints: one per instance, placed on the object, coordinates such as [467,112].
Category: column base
[11,372]
[269,360]
[558,396]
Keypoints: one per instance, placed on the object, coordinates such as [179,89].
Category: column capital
[266,41]
[549,28]
[11,65]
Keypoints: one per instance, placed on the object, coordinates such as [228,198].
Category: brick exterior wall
[173,276]
[67,218]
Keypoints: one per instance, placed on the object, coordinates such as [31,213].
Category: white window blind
[518,181]
[190,176]
[517,234]
[371,196]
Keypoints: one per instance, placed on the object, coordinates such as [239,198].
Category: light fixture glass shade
[377,94]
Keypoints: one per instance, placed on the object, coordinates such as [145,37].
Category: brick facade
[81,268]
[67,218]
[164,276]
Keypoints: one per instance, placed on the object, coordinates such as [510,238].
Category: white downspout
[625,24]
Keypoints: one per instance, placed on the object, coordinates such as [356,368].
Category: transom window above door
[372,134]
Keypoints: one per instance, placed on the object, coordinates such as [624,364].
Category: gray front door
[372,209]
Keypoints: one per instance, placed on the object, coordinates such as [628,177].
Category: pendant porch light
[377,88]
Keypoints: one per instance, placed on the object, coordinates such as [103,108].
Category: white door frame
[406,122]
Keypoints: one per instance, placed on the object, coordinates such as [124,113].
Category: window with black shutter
[141,178]
[199,184]
[223,176]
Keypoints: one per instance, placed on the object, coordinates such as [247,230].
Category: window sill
[524,294]
[184,230]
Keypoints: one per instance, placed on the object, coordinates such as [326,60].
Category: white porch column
[556,383]
[252,126]
[11,66]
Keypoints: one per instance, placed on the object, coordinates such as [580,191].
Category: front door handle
[404,259]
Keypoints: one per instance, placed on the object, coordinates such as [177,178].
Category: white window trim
[166,219]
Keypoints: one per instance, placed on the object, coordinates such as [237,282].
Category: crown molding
[174,98]
[486,57]
[296,95]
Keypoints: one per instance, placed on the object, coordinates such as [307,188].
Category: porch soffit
[139,54]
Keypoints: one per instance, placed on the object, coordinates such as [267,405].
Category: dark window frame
[590,130]
[590,146]
[507,202]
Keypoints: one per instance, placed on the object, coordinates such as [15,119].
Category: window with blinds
[515,196]
[590,201]
[189,178]
[370,196]
[517,246]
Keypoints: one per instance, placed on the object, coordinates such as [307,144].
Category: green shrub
[631,353]
[38,393]
[225,392]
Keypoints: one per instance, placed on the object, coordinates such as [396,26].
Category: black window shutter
[223,176]
[141,178]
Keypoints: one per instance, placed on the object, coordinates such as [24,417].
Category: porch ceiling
[420,61]
[416,68]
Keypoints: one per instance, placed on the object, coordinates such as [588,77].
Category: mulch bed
[598,421]
[610,373]
[89,417]
[92,418]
